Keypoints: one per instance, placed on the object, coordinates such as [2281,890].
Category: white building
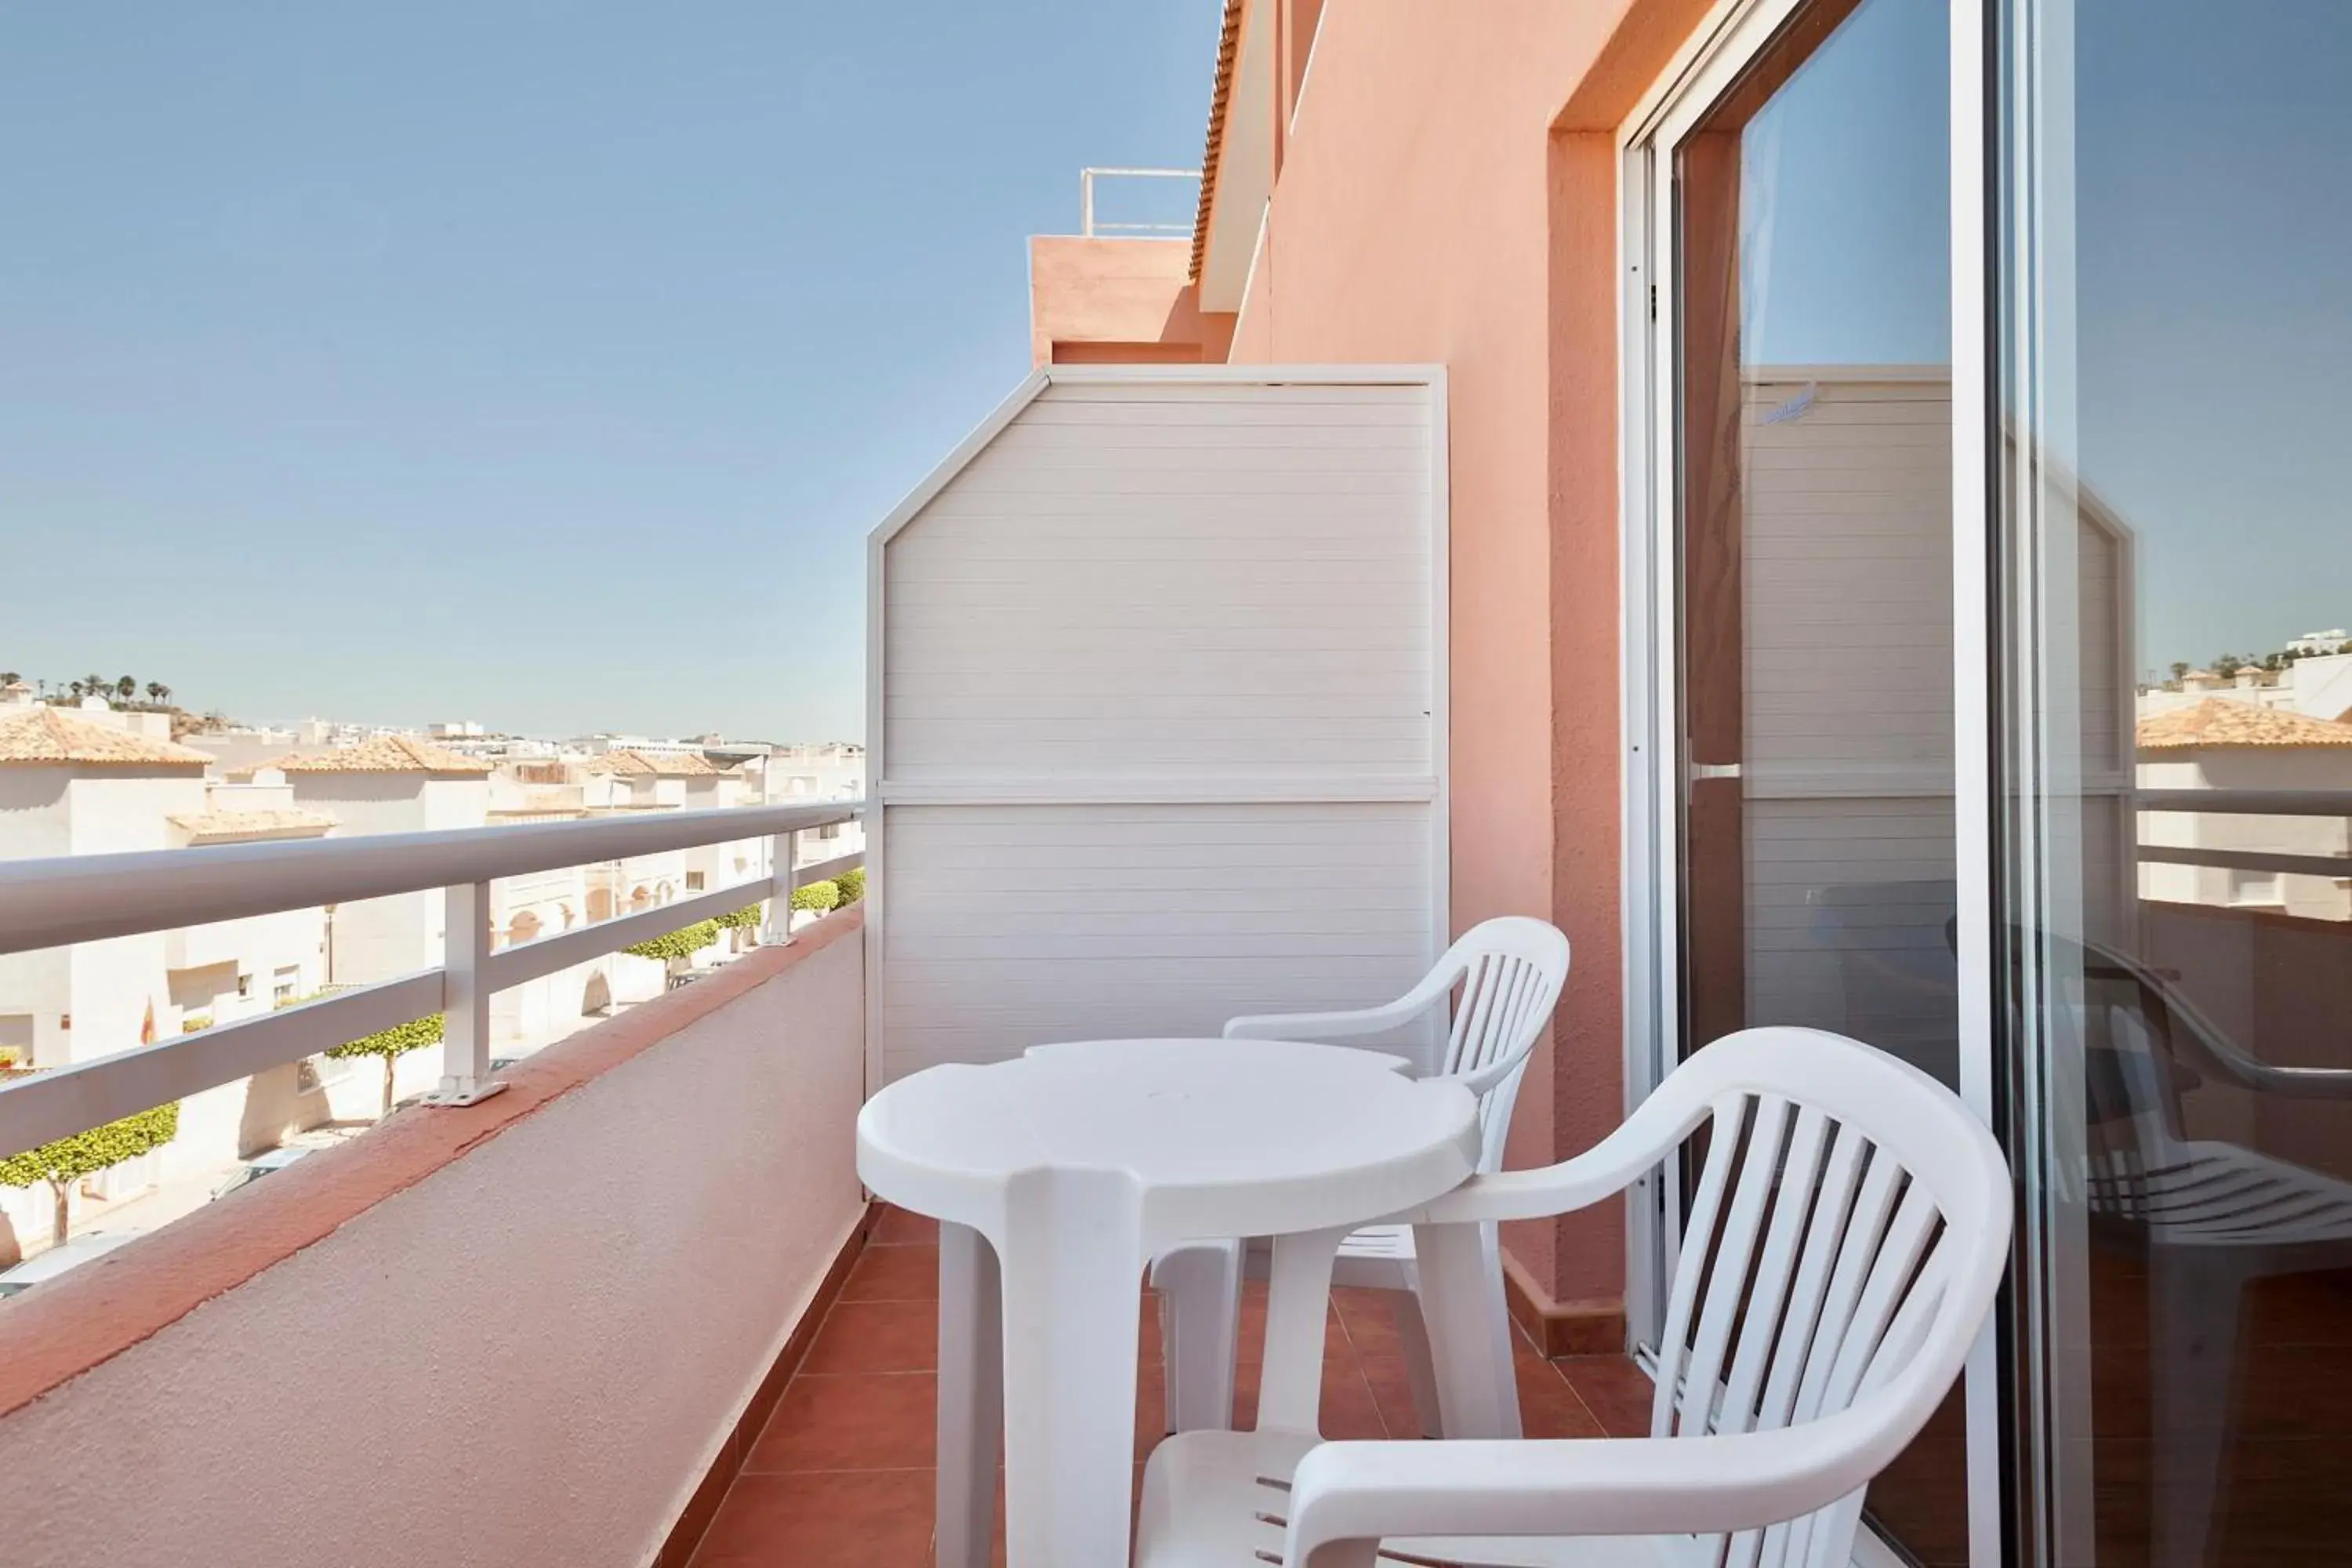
[393,784]
[2316,684]
[2219,744]
[829,770]
[69,786]
[73,784]
[400,784]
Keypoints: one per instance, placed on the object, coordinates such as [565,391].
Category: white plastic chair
[2210,1216]
[1510,970]
[1846,1237]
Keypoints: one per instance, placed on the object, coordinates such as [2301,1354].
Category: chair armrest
[1655,1130]
[1344,1495]
[1328,1025]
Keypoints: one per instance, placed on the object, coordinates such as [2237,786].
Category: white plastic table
[1058,1175]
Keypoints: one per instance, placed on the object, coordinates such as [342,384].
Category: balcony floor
[843,1472]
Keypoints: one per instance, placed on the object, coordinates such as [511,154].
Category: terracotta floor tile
[1147,1344]
[1548,1407]
[1150,1409]
[1348,1409]
[1615,1389]
[876,1336]
[1392,1391]
[894,1274]
[897,1227]
[881,1519]
[1372,1332]
[864,1421]
[1370,1322]
[1250,1340]
[840,1474]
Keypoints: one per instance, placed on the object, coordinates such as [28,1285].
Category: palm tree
[96,686]
[9,677]
[76,688]
[127,688]
[158,693]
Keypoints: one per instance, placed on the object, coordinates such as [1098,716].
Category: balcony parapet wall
[511,1333]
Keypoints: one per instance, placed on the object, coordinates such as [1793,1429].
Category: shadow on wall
[279,1103]
[12,1247]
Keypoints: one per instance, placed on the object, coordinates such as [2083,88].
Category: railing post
[465,1001]
[784,880]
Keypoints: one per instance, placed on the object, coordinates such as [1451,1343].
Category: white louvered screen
[1157,711]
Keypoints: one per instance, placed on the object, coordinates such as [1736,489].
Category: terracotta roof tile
[1229,39]
[251,824]
[383,754]
[42,734]
[653,764]
[2218,722]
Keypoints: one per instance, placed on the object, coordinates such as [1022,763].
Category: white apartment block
[95,780]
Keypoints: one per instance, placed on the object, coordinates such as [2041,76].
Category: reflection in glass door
[1809,362]
[2176,741]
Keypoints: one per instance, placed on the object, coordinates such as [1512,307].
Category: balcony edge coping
[52,1336]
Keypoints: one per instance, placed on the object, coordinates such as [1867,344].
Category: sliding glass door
[2069,823]
[2175,582]
[1806,524]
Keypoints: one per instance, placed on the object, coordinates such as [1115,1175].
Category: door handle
[1701,772]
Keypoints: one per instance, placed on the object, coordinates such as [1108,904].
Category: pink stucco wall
[1128,301]
[1448,193]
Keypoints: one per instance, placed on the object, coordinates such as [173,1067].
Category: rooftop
[1220,92]
[653,764]
[383,754]
[218,826]
[2218,722]
[45,735]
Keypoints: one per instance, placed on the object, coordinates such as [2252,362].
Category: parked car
[261,1165]
[76,1251]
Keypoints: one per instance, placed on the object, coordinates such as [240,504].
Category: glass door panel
[2177,684]
[1812,357]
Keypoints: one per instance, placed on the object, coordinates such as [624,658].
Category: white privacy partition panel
[1156,710]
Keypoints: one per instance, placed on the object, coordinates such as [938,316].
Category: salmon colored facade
[1442,186]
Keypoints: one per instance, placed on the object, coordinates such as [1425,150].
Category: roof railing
[1092,229]
[88,897]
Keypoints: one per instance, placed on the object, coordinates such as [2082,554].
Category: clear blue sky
[540,361]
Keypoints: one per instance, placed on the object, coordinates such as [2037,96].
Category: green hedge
[745,918]
[683,943]
[396,1041]
[817,896]
[852,884]
[88,1154]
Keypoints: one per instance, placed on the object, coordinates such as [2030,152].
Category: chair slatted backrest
[1510,971]
[1817,1254]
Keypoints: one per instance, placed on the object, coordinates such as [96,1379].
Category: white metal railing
[88,897]
[2246,803]
[1091,229]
